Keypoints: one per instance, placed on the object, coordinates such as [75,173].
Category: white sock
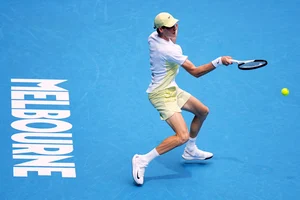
[191,143]
[150,156]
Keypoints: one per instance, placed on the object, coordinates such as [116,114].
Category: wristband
[217,62]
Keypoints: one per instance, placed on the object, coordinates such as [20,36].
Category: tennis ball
[285,91]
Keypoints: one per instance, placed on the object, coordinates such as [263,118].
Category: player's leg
[200,111]
[140,162]
[177,123]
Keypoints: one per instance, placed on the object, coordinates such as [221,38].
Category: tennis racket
[250,64]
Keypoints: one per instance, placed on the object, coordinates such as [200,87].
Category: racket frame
[242,62]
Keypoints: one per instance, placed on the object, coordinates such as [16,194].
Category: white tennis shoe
[138,169]
[196,154]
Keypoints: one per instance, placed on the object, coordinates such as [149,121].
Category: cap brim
[171,23]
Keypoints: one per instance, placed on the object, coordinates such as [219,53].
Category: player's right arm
[203,69]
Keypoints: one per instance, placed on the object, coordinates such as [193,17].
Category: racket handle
[234,61]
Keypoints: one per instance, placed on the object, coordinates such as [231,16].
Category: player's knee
[183,137]
[206,111]
[202,114]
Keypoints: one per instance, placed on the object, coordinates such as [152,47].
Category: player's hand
[173,39]
[226,60]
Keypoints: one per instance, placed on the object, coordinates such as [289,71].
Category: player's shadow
[178,165]
[229,159]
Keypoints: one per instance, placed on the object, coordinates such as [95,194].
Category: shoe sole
[193,158]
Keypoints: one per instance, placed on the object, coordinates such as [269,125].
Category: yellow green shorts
[169,101]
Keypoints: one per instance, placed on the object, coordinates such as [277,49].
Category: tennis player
[165,58]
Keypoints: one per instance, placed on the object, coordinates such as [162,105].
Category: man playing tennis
[165,58]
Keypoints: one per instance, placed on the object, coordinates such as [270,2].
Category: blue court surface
[84,65]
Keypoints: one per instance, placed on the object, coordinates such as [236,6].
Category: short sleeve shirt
[165,59]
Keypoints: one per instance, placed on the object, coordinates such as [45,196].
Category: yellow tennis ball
[285,91]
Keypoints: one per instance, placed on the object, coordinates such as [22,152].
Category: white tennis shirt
[165,59]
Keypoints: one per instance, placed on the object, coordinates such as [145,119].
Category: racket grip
[234,61]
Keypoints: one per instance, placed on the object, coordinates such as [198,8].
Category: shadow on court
[180,168]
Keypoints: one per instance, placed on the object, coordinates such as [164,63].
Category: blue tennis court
[84,65]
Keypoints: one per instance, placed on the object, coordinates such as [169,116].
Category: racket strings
[253,64]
